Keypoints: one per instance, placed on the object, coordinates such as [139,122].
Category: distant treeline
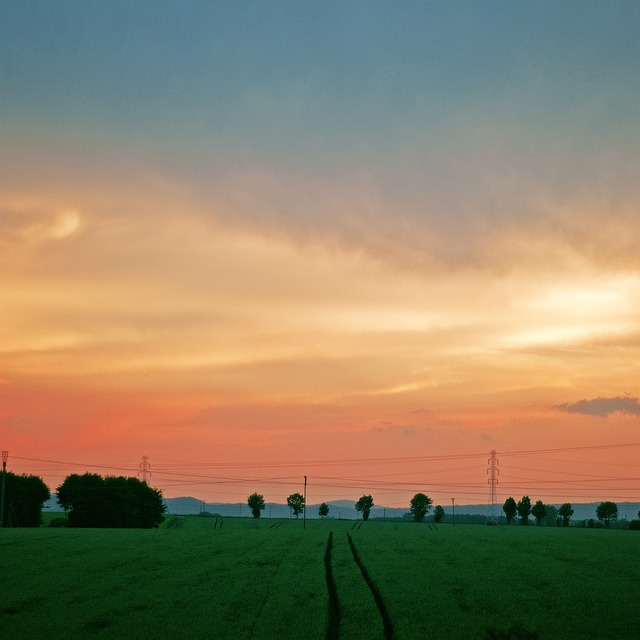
[89,500]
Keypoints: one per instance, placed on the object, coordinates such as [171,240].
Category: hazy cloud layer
[604,407]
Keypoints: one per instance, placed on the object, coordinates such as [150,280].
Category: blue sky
[321,82]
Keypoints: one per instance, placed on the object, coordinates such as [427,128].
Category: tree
[82,497]
[510,508]
[539,511]
[607,511]
[256,504]
[115,502]
[438,514]
[565,512]
[420,504]
[524,509]
[323,510]
[551,517]
[24,497]
[364,505]
[295,502]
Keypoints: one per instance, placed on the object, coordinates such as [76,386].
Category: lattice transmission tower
[493,472]
[144,469]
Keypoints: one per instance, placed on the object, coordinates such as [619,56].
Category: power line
[439,479]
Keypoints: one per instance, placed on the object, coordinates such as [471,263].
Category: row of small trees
[419,506]
[605,511]
[421,503]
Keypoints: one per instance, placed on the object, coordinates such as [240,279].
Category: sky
[364,242]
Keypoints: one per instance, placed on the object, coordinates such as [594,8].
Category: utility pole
[453,507]
[5,456]
[492,480]
[144,469]
[304,506]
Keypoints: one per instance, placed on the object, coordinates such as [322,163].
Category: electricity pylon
[144,471]
[493,472]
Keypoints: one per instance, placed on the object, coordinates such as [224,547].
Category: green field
[272,579]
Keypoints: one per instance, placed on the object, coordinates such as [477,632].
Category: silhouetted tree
[82,497]
[539,511]
[551,517]
[420,504]
[565,512]
[510,509]
[24,497]
[115,502]
[256,504]
[438,514]
[323,510]
[364,504]
[295,502]
[607,511]
[524,509]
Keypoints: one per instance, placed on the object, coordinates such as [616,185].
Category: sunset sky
[364,242]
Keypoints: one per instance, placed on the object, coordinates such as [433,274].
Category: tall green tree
[565,512]
[438,513]
[256,504]
[24,497]
[539,511]
[295,502]
[419,505]
[83,499]
[510,509]
[364,505]
[114,502]
[323,510]
[607,511]
[551,516]
[524,509]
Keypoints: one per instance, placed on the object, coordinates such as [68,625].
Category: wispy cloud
[604,407]
[400,429]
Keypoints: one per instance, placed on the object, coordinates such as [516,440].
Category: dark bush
[24,497]
[115,501]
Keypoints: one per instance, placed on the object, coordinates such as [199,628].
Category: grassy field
[272,579]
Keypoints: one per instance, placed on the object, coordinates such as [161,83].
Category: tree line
[421,503]
[606,512]
[90,500]
[419,506]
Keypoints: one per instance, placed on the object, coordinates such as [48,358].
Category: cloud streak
[604,407]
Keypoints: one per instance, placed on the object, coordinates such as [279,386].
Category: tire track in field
[336,614]
[333,626]
[377,596]
[42,540]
